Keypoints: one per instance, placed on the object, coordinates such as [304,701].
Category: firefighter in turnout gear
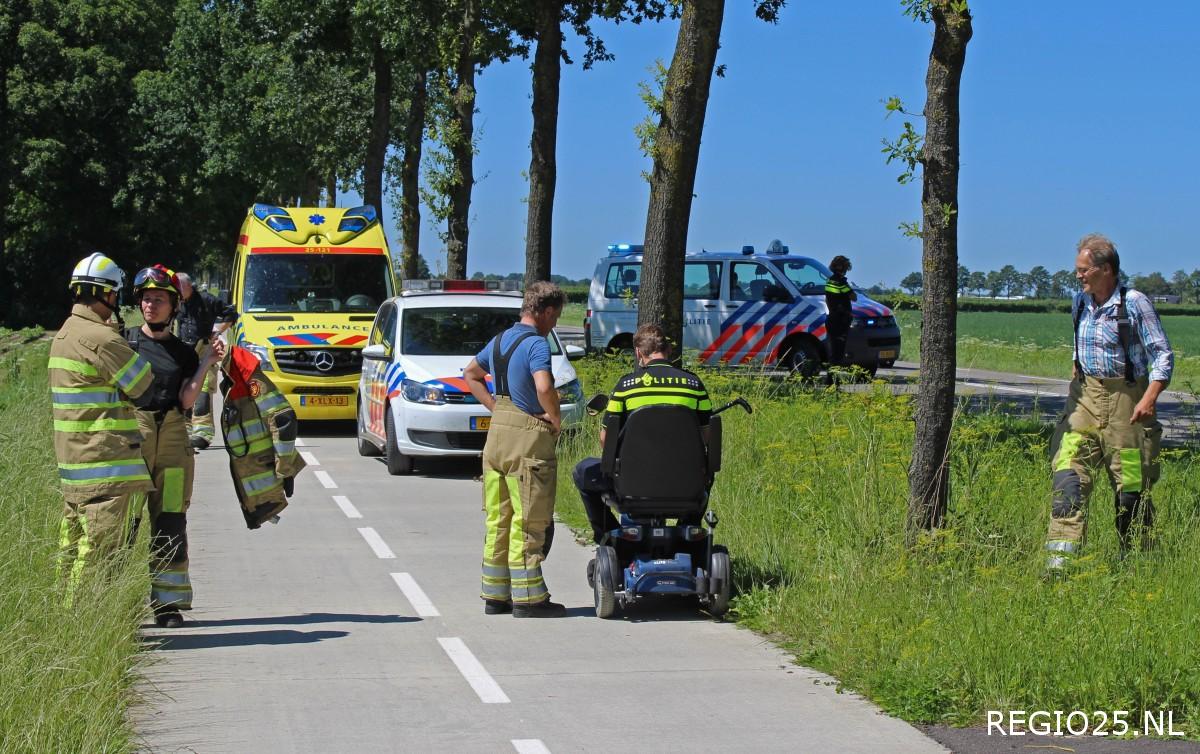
[259,427]
[197,321]
[654,382]
[519,462]
[177,377]
[1123,361]
[94,376]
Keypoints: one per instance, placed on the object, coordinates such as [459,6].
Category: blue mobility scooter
[662,470]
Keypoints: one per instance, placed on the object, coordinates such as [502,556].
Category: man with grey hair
[198,312]
[1123,362]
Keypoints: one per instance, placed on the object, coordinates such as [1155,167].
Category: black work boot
[497,607]
[543,609]
[168,619]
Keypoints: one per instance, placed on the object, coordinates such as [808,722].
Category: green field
[66,674]
[1040,343]
[812,500]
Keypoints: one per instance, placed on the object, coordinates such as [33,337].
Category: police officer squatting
[519,462]
[1123,362]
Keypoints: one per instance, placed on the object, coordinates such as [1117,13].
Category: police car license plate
[887,354]
[324,400]
[481,422]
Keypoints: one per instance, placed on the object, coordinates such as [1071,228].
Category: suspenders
[500,361]
[1124,336]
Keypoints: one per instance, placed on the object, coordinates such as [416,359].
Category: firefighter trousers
[519,479]
[169,457]
[1095,436]
[91,533]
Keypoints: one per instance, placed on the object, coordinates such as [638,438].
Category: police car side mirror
[574,353]
[377,352]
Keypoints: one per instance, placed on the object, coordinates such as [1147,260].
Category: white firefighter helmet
[99,271]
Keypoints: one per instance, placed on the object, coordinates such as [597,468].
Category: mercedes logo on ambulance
[323,360]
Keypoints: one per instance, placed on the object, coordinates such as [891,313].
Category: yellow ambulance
[306,284]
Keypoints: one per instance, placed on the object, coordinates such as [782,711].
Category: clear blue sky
[1076,117]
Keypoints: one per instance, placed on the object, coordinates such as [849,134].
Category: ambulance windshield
[316,282]
[456,331]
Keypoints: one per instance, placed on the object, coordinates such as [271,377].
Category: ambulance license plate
[324,400]
[481,423]
[887,354]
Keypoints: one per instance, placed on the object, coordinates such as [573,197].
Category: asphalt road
[355,625]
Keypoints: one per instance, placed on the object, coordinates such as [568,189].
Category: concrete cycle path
[355,625]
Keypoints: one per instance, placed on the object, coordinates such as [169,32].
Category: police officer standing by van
[94,377]
[1123,362]
[519,462]
[178,375]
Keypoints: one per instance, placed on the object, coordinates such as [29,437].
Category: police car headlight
[419,392]
[572,392]
[263,354]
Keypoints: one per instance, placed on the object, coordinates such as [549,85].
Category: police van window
[702,280]
[751,281]
[452,331]
[624,279]
[804,273]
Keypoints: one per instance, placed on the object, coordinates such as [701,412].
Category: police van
[742,308]
[412,398]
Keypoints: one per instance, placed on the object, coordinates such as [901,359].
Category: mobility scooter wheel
[719,577]
[604,583]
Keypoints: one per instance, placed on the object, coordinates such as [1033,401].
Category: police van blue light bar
[623,249]
[747,250]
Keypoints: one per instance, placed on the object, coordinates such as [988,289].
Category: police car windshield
[316,282]
[804,272]
[456,331]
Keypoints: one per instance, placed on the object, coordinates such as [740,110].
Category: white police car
[742,308]
[412,398]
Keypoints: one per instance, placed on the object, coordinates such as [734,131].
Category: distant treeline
[902,301]
[1040,283]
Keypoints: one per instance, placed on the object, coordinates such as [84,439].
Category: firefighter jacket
[94,375]
[260,436]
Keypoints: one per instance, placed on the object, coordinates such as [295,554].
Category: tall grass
[1039,343]
[65,673]
[812,499]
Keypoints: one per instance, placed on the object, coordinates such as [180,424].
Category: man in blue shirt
[1123,362]
[519,464]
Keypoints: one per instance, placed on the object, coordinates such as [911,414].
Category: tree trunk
[462,146]
[312,191]
[929,472]
[377,142]
[331,191]
[676,152]
[410,167]
[543,169]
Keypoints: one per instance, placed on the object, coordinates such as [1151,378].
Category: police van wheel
[365,446]
[603,586]
[719,575]
[397,462]
[802,359]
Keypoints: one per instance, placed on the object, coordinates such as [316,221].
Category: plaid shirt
[1098,347]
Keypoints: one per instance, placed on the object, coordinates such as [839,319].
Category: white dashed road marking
[530,746]
[309,458]
[347,507]
[485,686]
[377,544]
[415,595]
[325,480]
[1001,389]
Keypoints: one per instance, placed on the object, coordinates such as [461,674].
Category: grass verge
[66,674]
[812,500]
